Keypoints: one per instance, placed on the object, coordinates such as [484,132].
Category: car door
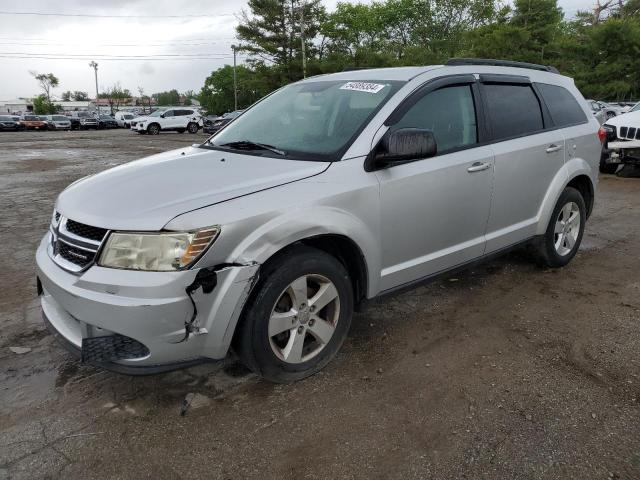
[168,119]
[434,211]
[528,154]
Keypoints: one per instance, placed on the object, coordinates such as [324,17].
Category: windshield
[4,118]
[59,118]
[311,120]
[635,108]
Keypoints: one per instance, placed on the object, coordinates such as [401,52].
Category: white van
[124,119]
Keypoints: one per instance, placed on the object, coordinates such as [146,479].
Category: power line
[89,55]
[20,44]
[18,57]
[86,15]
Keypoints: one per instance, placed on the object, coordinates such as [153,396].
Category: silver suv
[328,192]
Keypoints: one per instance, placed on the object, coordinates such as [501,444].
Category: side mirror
[162,115]
[405,144]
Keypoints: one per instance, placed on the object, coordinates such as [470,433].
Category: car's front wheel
[562,239]
[153,129]
[192,127]
[298,315]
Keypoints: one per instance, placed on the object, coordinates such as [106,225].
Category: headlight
[166,251]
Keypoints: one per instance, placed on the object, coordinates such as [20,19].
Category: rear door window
[514,110]
[449,113]
[563,107]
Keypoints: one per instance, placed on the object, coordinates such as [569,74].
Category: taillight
[602,135]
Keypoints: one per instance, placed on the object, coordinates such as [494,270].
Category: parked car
[57,122]
[124,119]
[89,122]
[178,119]
[7,123]
[323,195]
[106,121]
[610,109]
[622,144]
[215,125]
[597,111]
[32,122]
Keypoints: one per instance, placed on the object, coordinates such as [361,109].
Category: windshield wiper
[249,145]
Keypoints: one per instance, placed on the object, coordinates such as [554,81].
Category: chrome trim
[59,233]
[62,229]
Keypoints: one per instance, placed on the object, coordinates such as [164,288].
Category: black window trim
[417,95]
[558,127]
[495,79]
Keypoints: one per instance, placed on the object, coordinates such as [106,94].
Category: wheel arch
[576,173]
[343,249]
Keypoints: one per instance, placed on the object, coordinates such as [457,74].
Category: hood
[148,193]
[140,119]
[630,119]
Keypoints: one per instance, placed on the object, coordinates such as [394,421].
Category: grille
[111,348]
[75,255]
[133,124]
[74,244]
[629,133]
[86,231]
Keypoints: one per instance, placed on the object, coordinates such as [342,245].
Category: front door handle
[553,148]
[478,167]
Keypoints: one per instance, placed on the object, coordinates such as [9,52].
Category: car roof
[406,74]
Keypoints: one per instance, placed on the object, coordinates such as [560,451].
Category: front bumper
[149,307]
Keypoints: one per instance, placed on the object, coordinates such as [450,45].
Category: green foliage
[172,97]
[217,94]
[47,81]
[600,49]
[42,106]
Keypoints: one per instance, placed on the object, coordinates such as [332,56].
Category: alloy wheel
[304,318]
[567,229]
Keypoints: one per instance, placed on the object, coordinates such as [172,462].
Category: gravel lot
[505,371]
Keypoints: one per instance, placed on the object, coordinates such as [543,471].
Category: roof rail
[453,62]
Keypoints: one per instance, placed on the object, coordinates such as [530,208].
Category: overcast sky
[191,35]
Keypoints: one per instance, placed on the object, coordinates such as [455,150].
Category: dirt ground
[505,371]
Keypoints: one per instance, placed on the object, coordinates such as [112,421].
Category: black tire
[545,249]
[192,127]
[610,115]
[252,342]
[153,129]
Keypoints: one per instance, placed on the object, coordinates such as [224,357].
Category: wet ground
[505,371]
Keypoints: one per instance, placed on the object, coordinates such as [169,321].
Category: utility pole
[304,44]
[235,79]
[94,65]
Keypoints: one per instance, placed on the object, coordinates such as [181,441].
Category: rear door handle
[478,167]
[553,148]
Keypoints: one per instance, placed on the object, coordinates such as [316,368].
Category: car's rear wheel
[298,316]
[153,129]
[562,238]
[192,127]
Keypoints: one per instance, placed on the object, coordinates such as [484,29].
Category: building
[15,106]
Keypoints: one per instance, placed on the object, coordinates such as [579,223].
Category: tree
[66,96]
[271,33]
[42,106]
[80,96]
[172,97]
[47,81]
[116,95]
[144,97]
[217,94]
